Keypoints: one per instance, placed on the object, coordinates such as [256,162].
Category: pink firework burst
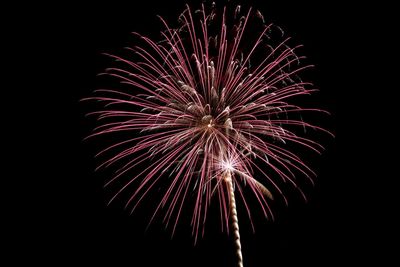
[208,108]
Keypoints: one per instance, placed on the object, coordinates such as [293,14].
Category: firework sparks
[208,106]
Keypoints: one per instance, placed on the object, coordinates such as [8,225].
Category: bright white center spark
[228,166]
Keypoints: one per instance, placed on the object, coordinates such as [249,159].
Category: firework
[208,108]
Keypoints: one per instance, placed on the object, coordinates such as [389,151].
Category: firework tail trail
[234,217]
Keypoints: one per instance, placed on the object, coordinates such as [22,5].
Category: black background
[61,210]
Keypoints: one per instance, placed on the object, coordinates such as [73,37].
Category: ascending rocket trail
[234,218]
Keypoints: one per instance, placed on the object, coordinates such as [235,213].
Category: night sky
[68,211]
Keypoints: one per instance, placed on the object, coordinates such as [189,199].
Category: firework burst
[208,108]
